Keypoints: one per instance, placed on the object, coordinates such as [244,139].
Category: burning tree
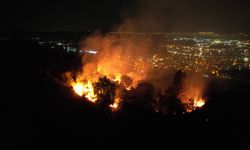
[105,91]
[177,84]
[191,93]
[183,95]
[169,102]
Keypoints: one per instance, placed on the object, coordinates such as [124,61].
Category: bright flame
[118,78]
[85,89]
[78,88]
[89,90]
[199,103]
[197,100]
[192,99]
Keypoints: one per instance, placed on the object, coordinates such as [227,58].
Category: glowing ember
[128,88]
[115,105]
[85,89]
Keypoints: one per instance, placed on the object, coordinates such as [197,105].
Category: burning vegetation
[116,74]
[114,71]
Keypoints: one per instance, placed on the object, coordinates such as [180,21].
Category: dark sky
[175,15]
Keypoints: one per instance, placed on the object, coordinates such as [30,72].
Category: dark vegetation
[105,91]
[39,113]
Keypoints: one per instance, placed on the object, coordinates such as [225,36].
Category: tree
[105,91]
[177,84]
[169,101]
[171,105]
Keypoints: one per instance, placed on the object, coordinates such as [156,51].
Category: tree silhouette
[169,101]
[171,105]
[145,93]
[177,84]
[105,91]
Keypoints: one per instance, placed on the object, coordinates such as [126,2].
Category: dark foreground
[39,114]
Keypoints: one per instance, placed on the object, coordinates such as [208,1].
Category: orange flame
[85,89]
[192,99]
[115,105]
[199,102]
[117,78]
[118,57]
[78,88]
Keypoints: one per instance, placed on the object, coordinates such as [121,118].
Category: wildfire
[116,76]
[192,100]
[87,90]
[84,89]
[198,101]
[120,61]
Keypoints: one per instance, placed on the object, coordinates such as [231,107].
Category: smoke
[193,87]
[117,55]
[122,57]
[122,54]
[145,16]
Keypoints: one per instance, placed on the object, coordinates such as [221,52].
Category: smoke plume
[122,56]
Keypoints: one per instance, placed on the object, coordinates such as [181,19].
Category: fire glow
[192,100]
[78,88]
[199,103]
[84,89]
[123,69]
[115,105]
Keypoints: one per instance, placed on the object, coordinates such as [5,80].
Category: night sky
[173,15]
